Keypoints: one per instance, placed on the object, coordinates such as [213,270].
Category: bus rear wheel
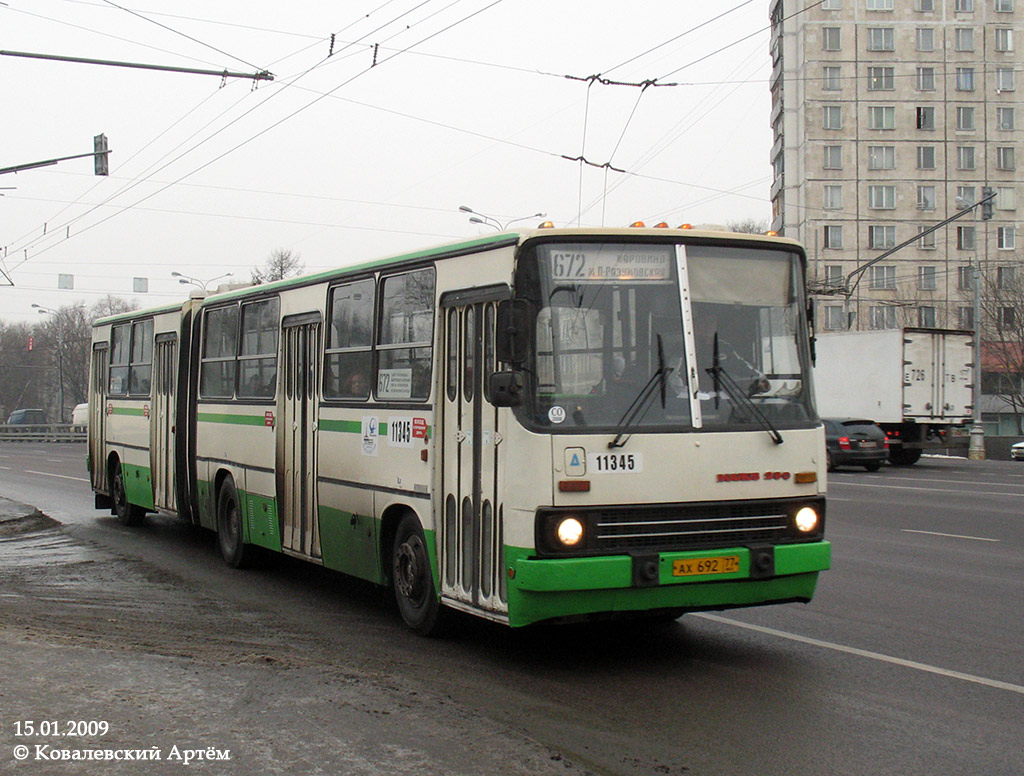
[127,513]
[413,581]
[230,537]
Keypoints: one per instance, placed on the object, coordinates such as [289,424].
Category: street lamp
[201,284]
[481,218]
[60,356]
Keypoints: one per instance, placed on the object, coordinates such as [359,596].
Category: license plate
[689,567]
[868,443]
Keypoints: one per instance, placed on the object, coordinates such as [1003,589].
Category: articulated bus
[545,425]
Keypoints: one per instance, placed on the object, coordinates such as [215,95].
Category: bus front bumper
[547,588]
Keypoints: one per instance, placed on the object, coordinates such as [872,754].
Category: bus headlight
[806,520]
[569,531]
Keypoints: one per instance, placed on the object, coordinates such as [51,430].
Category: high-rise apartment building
[890,116]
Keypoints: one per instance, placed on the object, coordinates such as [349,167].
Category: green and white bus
[543,425]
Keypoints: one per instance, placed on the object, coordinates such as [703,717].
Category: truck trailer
[916,383]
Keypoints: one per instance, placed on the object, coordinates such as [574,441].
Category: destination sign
[602,263]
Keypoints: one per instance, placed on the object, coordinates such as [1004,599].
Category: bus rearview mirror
[512,331]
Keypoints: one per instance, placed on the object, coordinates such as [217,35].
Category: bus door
[470,533]
[161,421]
[98,417]
[296,435]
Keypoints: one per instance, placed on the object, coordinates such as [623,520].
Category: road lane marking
[933,490]
[62,476]
[951,536]
[898,661]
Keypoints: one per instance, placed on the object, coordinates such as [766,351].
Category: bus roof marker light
[547,225]
[661,225]
[637,224]
[686,226]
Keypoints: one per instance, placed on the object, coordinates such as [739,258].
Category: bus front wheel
[127,513]
[413,581]
[230,538]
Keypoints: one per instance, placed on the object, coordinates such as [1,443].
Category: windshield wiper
[638,407]
[722,378]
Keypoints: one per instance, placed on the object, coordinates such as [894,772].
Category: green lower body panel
[261,522]
[544,589]
[348,543]
[138,485]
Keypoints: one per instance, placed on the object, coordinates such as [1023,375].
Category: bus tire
[126,512]
[230,536]
[413,581]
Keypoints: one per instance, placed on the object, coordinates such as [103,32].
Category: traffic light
[986,202]
[99,147]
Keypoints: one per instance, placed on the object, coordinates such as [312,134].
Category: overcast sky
[338,159]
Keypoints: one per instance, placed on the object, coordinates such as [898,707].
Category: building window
[882,276]
[965,118]
[925,241]
[965,318]
[963,39]
[831,78]
[1006,198]
[831,5]
[1004,119]
[963,6]
[965,157]
[926,317]
[966,239]
[834,275]
[924,39]
[926,198]
[1004,6]
[880,5]
[882,197]
[831,39]
[1007,318]
[881,237]
[833,236]
[965,79]
[881,117]
[835,319]
[880,39]
[833,199]
[965,278]
[833,157]
[1004,39]
[880,79]
[882,317]
[1006,238]
[964,197]
[926,157]
[925,118]
[1004,79]
[926,277]
[1006,277]
[832,117]
[881,157]
[926,6]
[1005,158]
[926,79]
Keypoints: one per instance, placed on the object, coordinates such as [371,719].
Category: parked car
[1017,451]
[80,415]
[855,442]
[27,418]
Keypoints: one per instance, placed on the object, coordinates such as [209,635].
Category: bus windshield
[660,337]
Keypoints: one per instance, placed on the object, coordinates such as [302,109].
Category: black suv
[855,442]
[27,418]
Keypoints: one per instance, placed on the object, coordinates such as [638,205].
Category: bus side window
[348,357]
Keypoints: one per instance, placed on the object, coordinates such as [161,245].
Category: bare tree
[1002,334]
[22,368]
[281,264]
[748,226]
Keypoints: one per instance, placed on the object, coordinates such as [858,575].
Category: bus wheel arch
[126,512]
[410,572]
[230,522]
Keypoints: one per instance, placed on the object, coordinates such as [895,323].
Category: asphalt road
[908,661]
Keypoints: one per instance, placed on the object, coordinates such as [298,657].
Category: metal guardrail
[51,432]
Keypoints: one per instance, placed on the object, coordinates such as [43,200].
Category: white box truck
[917,384]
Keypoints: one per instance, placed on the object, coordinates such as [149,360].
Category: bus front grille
[691,527]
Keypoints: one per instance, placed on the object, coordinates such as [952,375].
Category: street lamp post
[203,285]
[60,357]
[477,217]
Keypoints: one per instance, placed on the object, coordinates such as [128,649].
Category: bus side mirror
[506,389]
[512,336]
[812,339]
